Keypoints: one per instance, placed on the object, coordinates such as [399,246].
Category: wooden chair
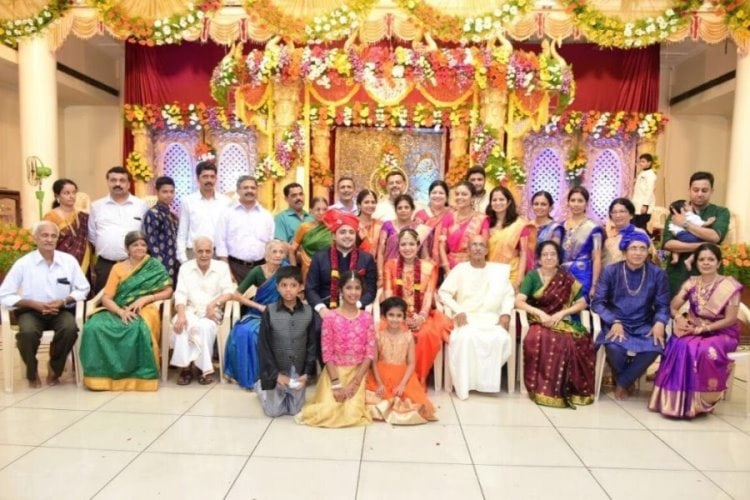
[166,312]
[9,344]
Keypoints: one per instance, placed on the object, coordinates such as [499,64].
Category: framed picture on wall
[10,207]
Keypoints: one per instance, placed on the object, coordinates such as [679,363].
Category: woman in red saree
[558,355]
[433,216]
[414,280]
[73,224]
[460,225]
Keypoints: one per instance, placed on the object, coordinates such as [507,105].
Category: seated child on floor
[287,348]
[682,234]
[393,392]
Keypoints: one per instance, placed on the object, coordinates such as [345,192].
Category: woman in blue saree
[241,355]
[582,242]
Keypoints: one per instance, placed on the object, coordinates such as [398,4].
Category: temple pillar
[37,89]
[142,145]
[739,150]
[286,109]
[265,190]
[321,151]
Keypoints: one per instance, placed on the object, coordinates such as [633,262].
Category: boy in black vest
[287,348]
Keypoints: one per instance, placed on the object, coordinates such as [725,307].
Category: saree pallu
[74,236]
[550,231]
[435,224]
[324,411]
[504,246]
[578,248]
[558,361]
[125,357]
[369,235]
[694,372]
[412,408]
[311,237]
[457,239]
[241,363]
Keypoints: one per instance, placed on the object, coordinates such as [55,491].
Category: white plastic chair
[234,313]
[9,344]
[741,358]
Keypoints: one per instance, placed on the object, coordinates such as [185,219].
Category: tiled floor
[214,442]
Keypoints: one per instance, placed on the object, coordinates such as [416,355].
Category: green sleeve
[667,234]
[531,283]
[254,277]
[721,224]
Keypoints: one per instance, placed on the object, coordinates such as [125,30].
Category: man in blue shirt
[288,221]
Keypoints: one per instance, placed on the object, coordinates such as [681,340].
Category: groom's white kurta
[478,350]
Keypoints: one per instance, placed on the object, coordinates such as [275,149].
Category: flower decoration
[319,175]
[269,169]
[486,151]
[173,116]
[204,152]
[289,148]
[224,77]
[138,167]
[179,116]
[389,161]
[736,262]
[457,170]
[15,242]
[11,30]
[598,124]
[575,165]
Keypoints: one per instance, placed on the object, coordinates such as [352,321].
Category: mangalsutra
[627,287]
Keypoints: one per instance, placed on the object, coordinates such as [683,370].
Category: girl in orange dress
[394,394]
[414,280]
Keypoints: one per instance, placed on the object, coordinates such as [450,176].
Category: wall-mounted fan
[36,172]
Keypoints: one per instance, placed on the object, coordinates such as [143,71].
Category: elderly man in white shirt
[243,230]
[41,286]
[111,218]
[203,286]
[480,295]
[200,210]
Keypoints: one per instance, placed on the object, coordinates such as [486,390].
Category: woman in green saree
[310,237]
[120,341]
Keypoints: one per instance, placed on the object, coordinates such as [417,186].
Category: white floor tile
[67,397]
[168,400]
[10,452]
[164,475]
[506,410]
[113,431]
[604,414]
[211,435]
[736,484]
[623,448]
[34,426]
[285,438]
[725,451]
[627,484]
[657,421]
[444,409]
[741,423]
[61,473]
[394,481]
[428,443]
[20,392]
[538,482]
[228,400]
[493,445]
[268,478]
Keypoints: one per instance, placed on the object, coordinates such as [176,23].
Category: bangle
[617,322]
[337,387]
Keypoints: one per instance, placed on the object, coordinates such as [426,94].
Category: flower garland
[460,29]
[421,115]
[151,32]
[318,175]
[575,165]
[604,124]
[612,31]
[416,286]
[337,24]
[290,146]
[204,152]
[269,169]
[486,151]
[333,301]
[11,30]
[457,170]
[138,167]
[179,116]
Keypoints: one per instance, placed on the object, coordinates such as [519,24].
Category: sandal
[206,379]
[186,376]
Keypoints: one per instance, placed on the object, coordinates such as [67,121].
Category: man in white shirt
[643,191]
[395,184]
[42,286]
[111,218]
[345,196]
[203,286]
[200,210]
[481,298]
[243,230]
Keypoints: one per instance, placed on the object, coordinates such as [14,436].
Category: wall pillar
[739,150]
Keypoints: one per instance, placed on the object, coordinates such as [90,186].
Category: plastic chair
[234,314]
[9,344]
[741,358]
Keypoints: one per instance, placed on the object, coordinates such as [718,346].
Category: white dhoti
[195,344]
[477,353]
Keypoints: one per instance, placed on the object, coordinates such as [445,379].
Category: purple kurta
[695,368]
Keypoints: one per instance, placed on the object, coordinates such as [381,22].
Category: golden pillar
[459,142]
[321,151]
[142,145]
[265,190]
[493,112]
[286,99]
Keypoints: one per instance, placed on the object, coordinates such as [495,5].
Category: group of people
[449,273]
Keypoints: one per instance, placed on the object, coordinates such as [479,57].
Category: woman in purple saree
[695,370]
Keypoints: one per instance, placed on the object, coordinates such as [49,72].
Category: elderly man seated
[632,298]
[203,286]
[481,297]
[43,285]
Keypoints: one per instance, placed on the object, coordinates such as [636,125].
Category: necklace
[704,291]
[569,233]
[625,278]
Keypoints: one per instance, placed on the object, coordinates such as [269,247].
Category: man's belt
[249,263]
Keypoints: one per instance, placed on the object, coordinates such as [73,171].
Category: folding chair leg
[437,370]
[599,374]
